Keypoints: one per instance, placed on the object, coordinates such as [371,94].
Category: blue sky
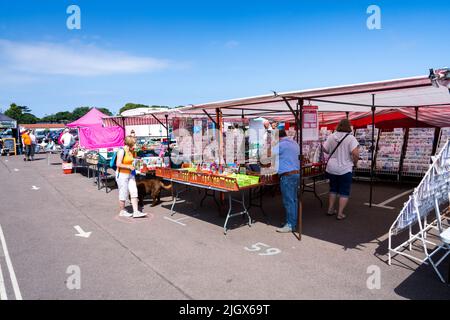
[187,52]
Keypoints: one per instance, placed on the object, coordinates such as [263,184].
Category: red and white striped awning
[401,95]
[130,121]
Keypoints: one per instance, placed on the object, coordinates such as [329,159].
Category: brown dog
[153,188]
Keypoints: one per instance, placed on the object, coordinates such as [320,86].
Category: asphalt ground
[187,256]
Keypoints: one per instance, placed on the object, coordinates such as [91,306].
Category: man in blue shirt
[287,155]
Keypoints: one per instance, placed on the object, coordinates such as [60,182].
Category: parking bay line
[10,266]
[177,220]
[383,204]
[3,295]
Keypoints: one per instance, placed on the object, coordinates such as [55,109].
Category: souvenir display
[390,145]
[364,138]
[444,135]
[92,157]
[312,150]
[419,149]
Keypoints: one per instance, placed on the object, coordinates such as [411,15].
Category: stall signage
[310,123]
[8,124]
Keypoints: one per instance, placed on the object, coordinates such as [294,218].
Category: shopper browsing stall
[126,178]
[67,140]
[287,152]
[342,147]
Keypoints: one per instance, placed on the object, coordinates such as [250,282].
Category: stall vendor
[287,153]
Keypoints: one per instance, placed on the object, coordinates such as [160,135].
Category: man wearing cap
[26,143]
[67,141]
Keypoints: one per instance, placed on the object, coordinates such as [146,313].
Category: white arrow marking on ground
[35,188]
[16,170]
[81,233]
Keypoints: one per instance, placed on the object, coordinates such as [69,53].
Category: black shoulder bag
[331,154]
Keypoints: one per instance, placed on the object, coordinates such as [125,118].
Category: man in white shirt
[67,140]
[33,144]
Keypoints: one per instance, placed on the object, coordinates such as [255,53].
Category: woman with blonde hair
[126,179]
[342,147]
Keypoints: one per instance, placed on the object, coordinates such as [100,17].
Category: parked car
[54,135]
[40,135]
[6,134]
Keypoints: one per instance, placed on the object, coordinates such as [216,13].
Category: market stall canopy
[399,95]
[7,122]
[389,94]
[100,137]
[143,111]
[94,118]
[92,133]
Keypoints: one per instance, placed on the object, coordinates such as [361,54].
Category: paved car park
[65,240]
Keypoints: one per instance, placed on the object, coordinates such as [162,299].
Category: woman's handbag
[332,152]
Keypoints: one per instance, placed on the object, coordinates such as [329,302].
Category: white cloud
[73,59]
[231,44]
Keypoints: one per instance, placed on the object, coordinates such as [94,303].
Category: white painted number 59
[269,251]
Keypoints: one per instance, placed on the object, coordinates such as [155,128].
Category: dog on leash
[151,187]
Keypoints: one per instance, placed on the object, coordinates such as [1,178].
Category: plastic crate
[163,173]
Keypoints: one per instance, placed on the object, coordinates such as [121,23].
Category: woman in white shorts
[126,179]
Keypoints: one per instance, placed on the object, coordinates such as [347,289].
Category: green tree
[49,118]
[77,113]
[64,116]
[28,118]
[105,111]
[14,112]
[21,113]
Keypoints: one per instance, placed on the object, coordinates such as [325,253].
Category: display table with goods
[364,138]
[419,148]
[209,178]
[444,136]
[389,152]
[96,161]
[147,165]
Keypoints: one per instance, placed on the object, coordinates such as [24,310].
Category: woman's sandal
[341,217]
[332,213]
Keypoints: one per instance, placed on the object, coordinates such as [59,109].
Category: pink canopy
[99,137]
[92,133]
[94,118]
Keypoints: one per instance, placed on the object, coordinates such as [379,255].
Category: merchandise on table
[312,150]
[146,164]
[444,135]
[419,149]
[390,145]
[92,157]
[207,177]
[364,138]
